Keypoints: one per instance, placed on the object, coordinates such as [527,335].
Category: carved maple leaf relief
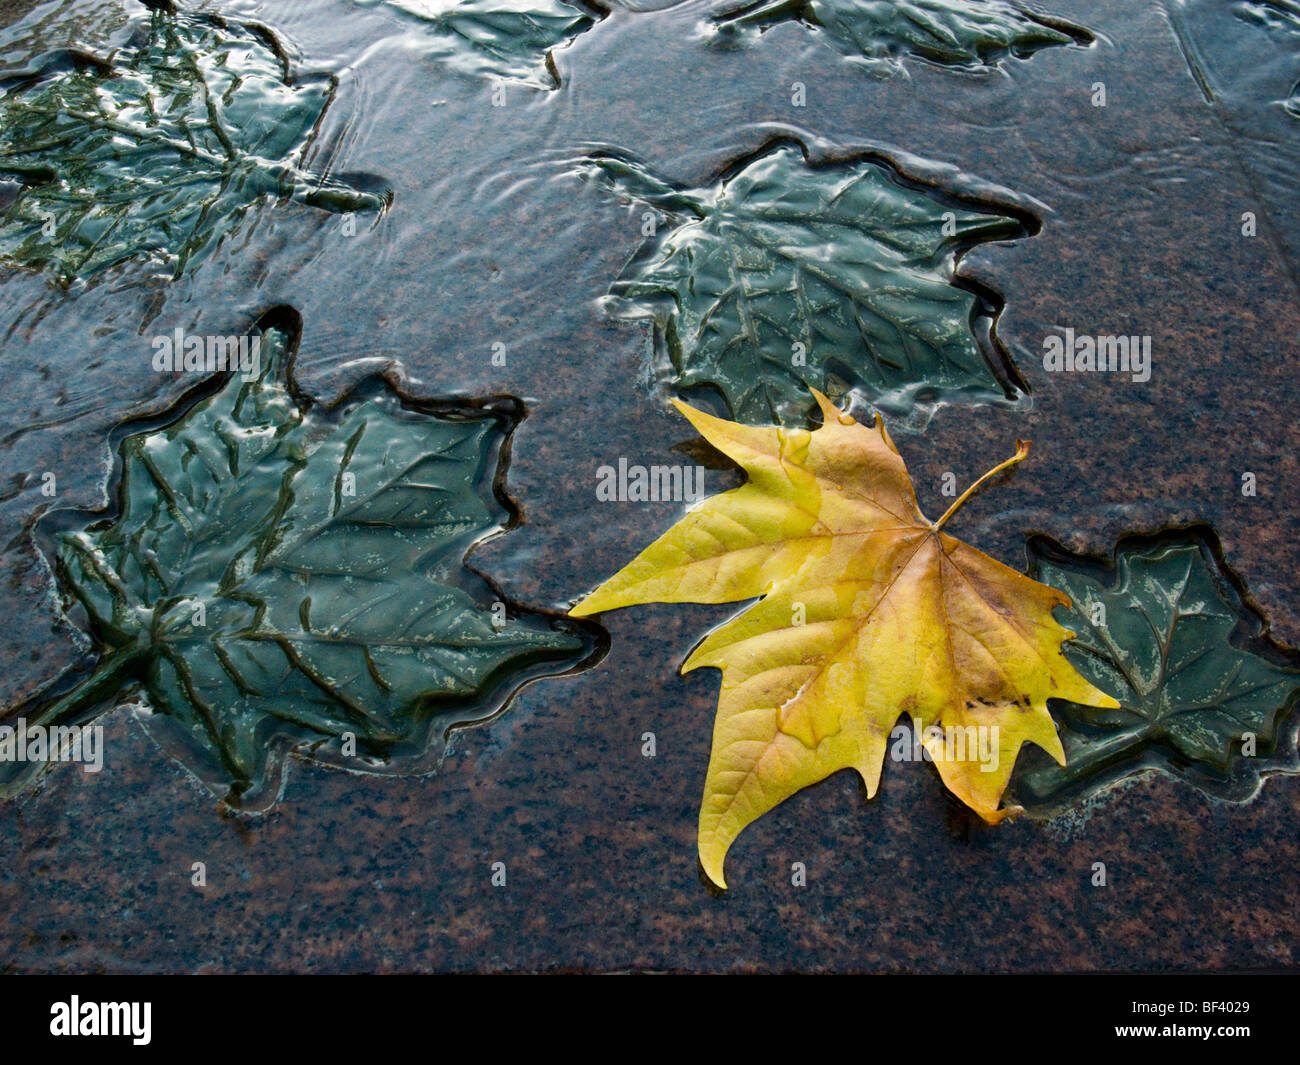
[159,151]
[278,576]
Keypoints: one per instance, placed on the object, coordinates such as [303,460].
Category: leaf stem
[636,184]
[1022,450]
[74,707]
[102,685]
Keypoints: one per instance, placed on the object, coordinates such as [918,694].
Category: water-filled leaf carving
[1278,16]
[160,150]
[963,33]
[513,39]
[1168,631]
[783,277]
[868,611]
[276,574]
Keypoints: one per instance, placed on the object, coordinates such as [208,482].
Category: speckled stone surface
[492,238]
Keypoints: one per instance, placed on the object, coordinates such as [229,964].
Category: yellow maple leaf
[869,611]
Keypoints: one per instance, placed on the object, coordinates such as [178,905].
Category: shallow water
[493,238]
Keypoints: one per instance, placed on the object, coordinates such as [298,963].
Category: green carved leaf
[1283,15]
[278,574]
[951,32]
[784,275]
[1279,16]
[1167,632]
[500,38]
[160,151]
